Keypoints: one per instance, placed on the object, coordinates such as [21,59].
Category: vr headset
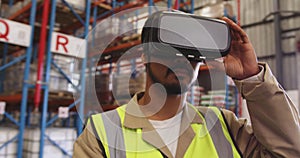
[197,38]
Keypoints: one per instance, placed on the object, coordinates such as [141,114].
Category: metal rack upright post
[26,85]
[80,87]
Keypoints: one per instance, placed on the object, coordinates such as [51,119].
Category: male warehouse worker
[160,123]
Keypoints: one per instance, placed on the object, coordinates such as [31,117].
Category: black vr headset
[196,38]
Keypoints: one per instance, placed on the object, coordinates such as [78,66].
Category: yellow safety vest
[116,141]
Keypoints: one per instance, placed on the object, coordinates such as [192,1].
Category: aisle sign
[63,112]
[2,107]
[15,32]
[68,45]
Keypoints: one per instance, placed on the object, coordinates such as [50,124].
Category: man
[160,123]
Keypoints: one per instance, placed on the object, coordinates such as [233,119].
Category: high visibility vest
[212,138]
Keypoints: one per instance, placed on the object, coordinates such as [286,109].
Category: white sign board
[63,112]
[68,45]
[14,32]
[2,107]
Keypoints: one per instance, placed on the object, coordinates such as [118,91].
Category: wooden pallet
[52,94]
[60,94]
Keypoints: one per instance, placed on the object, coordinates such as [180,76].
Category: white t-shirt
[169,131]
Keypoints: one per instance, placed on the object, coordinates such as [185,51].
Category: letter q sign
[15,32]
[4,32]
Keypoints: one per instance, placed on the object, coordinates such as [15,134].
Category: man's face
[175,73]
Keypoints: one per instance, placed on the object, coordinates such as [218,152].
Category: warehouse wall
[256,19]
[263,36]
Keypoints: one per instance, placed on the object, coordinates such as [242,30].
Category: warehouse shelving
[115,52]
[67,20]
[63,20]
[17,98]
[21,15]
[25,87]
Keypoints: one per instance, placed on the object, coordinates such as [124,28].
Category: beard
[171,88]
[175,89]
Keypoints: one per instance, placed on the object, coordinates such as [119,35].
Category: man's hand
[241,62]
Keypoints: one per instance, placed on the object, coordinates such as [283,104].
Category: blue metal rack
[2,76]
[49,62]
[26,85]
[80,87]
[45,87]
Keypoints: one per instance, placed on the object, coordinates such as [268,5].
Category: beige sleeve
[275,122]
[86,145]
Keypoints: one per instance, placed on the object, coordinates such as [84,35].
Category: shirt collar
[134,117]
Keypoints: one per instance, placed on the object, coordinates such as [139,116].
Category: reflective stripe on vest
[222,145]
[119,141]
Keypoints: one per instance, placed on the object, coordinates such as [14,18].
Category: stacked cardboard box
[60,122]
[197,92]
[129,79]
[78,5]
[123,90]
[103,88]
[70,68]
[217,98]
[64,137]
[7,133]
[14,75]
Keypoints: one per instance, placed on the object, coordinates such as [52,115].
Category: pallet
[130,38]
[52,94]
[60,94]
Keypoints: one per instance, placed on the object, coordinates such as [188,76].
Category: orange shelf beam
[117,48]
[98,2]
[122,46]
[17,98]
[116,10]
[21,11]
[11,98]
[185,3]
[128,6]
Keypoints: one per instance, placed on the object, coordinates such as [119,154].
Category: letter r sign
[61,41]
[68,45]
